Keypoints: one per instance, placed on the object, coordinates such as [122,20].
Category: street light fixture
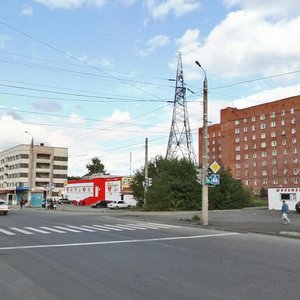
[204,153]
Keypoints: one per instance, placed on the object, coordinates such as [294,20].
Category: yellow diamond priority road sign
[215,167]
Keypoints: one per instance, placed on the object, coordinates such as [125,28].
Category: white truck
[276,195]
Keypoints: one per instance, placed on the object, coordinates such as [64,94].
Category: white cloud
[248,43]
[75,119]
[159,9]
[157,41]
[67,4]
[27,11]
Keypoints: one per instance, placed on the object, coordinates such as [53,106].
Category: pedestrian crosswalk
[58,229]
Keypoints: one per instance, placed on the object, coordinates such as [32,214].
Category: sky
[96,76]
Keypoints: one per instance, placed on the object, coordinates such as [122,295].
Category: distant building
[32,172]
[260,144]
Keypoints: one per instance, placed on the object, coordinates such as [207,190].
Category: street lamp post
[204,153]
[30,175]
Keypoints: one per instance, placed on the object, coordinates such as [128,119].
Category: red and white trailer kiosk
[88,191]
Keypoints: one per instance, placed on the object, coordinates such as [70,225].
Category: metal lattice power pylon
[180,143]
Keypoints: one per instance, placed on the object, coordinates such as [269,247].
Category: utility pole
[146,171]
[204,156]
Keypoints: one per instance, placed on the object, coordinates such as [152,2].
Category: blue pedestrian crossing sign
[215,179]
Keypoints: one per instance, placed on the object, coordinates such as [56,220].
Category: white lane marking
[37,230]
[132,226]
[107,227]
[159,225]
[7,232]
[94,228]
[144,226]
[66,228]
[81,228]
[120,242]
[120,227]
[52,229]
[20,230]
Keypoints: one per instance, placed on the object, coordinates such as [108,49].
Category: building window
[295,160]
[253,118]
[273,133]
[286,181]
[284,152]
[246,173]
[272,114]
[293,121]
[254,155]
[238,166]
[247,182]
[263,144]
[265,181]
[255,181]
[293,130]
[237,130]
[273,143]
[245,138]
[263,136]
[253,137]
[274,162]
[273,124]
[264,172]
[294,140]
[295,150]
[255,173]
[238,174]
[282,112]
[253,127]
[237,148]
[254,164]
[283,132]
[246,147]
[275,181]
[274,152]
[237,139]
[284,162]
[285,171]
[283,142]
[262,117]
[292,110]
[246,156]
[254,146]
[264,154]
[262,126]
[237,157]
[236,122]
[296,181]
[246,165]
[282,123]
[264,163]
[274,171]
[245,129]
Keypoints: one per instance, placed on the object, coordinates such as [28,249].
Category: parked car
[4,208]
[297,207]
[100,204]
[118,204]
[64,201]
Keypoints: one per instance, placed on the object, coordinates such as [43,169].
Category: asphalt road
[127,259]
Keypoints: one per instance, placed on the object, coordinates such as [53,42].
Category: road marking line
[120,241]
[66,228]
[7,232]
[159,225]
[52,229]
[21,230]
[81,228]
[144,226]
[94,228]
[122,227]
[132,226]
[37,230]
[108,227]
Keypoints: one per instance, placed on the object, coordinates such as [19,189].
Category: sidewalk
[256,220]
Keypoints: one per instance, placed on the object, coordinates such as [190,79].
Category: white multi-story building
[32,172]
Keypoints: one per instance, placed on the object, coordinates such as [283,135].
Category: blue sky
[93,75]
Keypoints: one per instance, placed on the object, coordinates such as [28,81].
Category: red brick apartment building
[260,144]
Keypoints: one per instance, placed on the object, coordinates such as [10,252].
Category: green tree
[95,166]
[174,185]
